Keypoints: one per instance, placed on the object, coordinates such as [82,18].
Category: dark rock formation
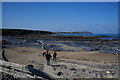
[13,32]
[59,73]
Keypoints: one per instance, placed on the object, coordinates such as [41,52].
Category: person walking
[48,56]
[54,56]
[41,44]
[45,52]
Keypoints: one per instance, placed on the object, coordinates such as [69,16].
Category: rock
[59,66]
[73,69]
[29,66]
[101,75]
[59,73]
[5,42]
[91,49]
[83,70]
[108,72]
[54,69]
[24,51]
[64,66]
[55,66]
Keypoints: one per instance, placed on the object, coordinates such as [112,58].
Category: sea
[112,36]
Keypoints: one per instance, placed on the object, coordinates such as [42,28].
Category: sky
[60,0]
[96,17]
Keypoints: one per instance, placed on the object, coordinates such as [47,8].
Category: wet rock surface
[109,46]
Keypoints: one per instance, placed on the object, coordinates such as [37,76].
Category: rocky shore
[76,69]
[55,42]
[76,59]
[68,64]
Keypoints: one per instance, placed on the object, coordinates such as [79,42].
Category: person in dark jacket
[48,56]
[45,52]
[54,55]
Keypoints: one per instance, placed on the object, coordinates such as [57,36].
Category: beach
[72,61]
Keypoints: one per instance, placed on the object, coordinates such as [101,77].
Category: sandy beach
[77,57]
[80,64]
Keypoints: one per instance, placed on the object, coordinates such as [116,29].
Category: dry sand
[31,55]
[23,55]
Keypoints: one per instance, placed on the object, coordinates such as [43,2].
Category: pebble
[108,72]
[73,69]
[83,70]
[59,73]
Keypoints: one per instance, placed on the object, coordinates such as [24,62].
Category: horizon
[95,17]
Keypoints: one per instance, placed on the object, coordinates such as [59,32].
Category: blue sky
[96,17]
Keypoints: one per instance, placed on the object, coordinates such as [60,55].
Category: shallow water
[116,36]
[77,34]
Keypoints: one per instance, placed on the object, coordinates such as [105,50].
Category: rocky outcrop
[13,32]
